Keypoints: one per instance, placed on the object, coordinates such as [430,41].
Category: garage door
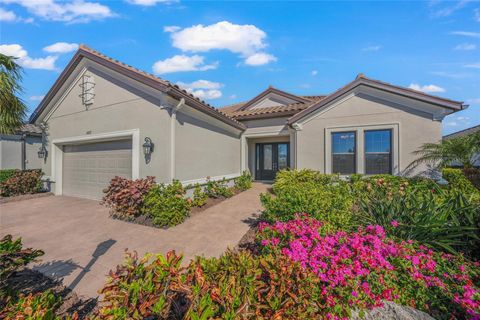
[88,168]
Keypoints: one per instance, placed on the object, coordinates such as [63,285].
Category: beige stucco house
[100,114]
[20,149]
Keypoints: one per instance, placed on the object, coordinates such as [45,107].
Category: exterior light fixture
[147,146]
[42,152]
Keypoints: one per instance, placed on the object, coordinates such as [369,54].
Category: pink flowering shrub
[360,269]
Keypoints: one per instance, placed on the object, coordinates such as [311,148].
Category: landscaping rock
[392,311]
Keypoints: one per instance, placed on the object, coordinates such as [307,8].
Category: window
[343,152]
[378,151]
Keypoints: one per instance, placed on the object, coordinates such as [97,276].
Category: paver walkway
[82,243]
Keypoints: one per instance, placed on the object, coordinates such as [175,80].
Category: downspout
[23,156]
[173,120]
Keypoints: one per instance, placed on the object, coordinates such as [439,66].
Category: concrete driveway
[82,243]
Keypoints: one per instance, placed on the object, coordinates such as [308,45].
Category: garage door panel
[88,168]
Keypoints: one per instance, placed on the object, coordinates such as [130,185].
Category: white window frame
[360,145]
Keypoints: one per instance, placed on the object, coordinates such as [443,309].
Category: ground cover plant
[22,182]
[6,173]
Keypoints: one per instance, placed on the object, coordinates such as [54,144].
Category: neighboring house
[463,133]
[100,114]
[20,150]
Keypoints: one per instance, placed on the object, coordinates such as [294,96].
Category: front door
[271,157]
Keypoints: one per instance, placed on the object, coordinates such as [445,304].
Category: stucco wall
[117,106]
[414,129]
[11,152]
[203,148]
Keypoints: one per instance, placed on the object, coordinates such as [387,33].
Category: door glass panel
[267,157]
[282,156]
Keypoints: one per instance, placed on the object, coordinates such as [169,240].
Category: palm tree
[449,151]
[12,108]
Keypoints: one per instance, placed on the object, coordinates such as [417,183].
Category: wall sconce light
[147,146]
[42,152]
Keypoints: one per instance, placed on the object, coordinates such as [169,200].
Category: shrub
[22,182]
[39,306]
[125,197]
[473,175]
[244,182]
[13,257]
[360,269]
[199,197]
[457,180]
[6,173]
[166,204]
[325,197]
[442,219]
[217,189]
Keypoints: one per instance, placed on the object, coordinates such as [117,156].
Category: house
[20,150]
[463,133]
[105,118]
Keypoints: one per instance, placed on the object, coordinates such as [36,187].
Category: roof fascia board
[440,102]
[272,90]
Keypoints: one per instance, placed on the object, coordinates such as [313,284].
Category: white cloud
[466,46]
[201,84]
[477,15]
[37,98]
[475,65]
[245,40]
[6,15]
[466,34]
[232,96]
[148,3]
[203,89]
[180,63]
[451,123]
[260,58]
[474,101]
[314,72]
[431,88]
[457,121]
[171,28]
[16,50]
[66,11]
[447,11]
[372,48]
[61,47]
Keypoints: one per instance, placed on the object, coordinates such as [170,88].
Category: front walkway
[82,243]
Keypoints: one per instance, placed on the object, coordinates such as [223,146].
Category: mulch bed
[147,221]
[29,281]
[25,197]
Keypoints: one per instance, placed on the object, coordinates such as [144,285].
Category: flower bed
[363,268]
[143,201]
[20,182]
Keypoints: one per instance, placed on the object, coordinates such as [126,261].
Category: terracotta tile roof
[137,74]
[462,133]
[234,111]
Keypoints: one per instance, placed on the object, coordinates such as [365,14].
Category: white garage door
[88,168]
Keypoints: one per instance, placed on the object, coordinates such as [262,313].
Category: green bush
[458,181]
[22,182]
[324,197]
[244,182]
[217,189]
[199,197]
[6,173]
[13,257]
[166,204]
[442,219]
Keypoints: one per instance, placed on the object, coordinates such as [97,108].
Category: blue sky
[227,52]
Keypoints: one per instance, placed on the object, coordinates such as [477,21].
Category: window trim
[355,148]
[390,154]
[359,129]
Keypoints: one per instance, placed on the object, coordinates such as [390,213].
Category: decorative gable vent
[88,90]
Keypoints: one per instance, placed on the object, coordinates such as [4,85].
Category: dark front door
[271,157]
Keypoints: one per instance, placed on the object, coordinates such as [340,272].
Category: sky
[227,52]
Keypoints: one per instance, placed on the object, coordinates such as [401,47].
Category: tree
[460,150]
[12,108]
